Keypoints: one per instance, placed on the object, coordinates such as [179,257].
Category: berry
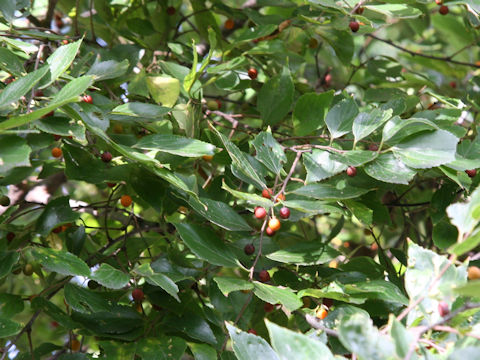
[443,10]
[453,84]
[354,26]
[75,345]
[212,105]
[207,157]
[10,236]
[471,173]
[264,276]
[51,113]
[473,273]
[327,80]
[9,80]
[65,42]
[252,73]
[57,137]
[260,212]
[443,309]
[111,185]
[56,152]
[38,93]
[269,231]
[327,302]
[106,157]
[126,200]
[267,193]
[274,224]
[219,103]
[171,10]
[281,197]
[28,269]
[321,313]
[54,324]
[268,307]
[373,147]
[351,171]
[229,24]
[252,331]
[88,99]
[249,249]
[4,200]
[57,230]
[284,213]
[439,2]
[137,295]
[92,284]
[360,10]
[59,23]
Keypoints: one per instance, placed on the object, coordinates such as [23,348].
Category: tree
[239,179]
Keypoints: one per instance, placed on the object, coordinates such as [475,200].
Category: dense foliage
[261,179]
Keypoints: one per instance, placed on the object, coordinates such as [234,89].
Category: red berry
[106,157]
[9,80]
[137,295]
[269,231]
[249,249]
[351,171]
[267,193]
[88,99]
[453,84]
[51,113]
[111,185]
[171,10]
[443,10]
[57,137]
[57,230]
[354,26]
[65,42]
[284,213]
[360,10]
[327,80]
[443,309]
[373,147]
[10,236]
[471,173]
[252,73]
[268,307]
[229,24]
[264,276]
[252,331]
[219,103]
[260,212]
[38,93]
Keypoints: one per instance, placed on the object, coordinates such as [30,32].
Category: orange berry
[281,197]
[126,200]
[75,345]
[207,157]
[321,313]
[473,273]
[274,224]
[56,152]
[229,24]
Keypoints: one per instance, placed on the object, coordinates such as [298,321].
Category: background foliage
[137,137]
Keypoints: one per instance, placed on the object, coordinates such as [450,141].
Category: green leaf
[354,157]
[137,109]
[10,305]
[340,41]
[59,62]
[158,279]
[7,260]
[388,168]
[320,165]
[220,214]
[395,124]
[55,312]
[110,277]
[330,191]
[57,212]
[14,152]
[165,90]
[73,88]
[250,198]
[399,11]
[461,213]
[402,338]
[466,245]
[161,348]
[311,253]
[472,288]
[229,284]
[269,152]
[18,88]
[366,123]
[85,301]
[103,70]
[177,145]
[253,33]
[427,150]
[194,326]
[361,211]
[276,295]
[61,262]
[248,346]
[9,328]
[275,98]
[61,126]
[10,62]
[358,335]
[204,243]
[312,207]
[333,291]
[240,160]
[292,345]
[203,351]
[310,111]
[444,235]
[378,290]
[340,118]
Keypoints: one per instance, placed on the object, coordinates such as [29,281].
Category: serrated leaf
[110,277]
[330,191]
[110,69]
[276,295]
[310,111]
[174,144]
[388,168]
[164,90]
[248,346]
[321,165]
[229,284]
[269,152]
[57,212]
[59,62]
[311,253]
[9,327]
[366,123]
[14,152]
[158,279]
[61,262]
[340,118]
[7,260]
[143,110]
